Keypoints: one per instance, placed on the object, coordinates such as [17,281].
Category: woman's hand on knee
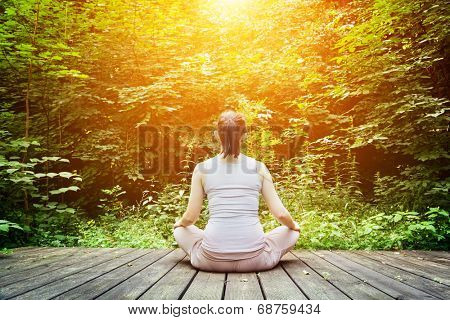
[177,224]
[297,227]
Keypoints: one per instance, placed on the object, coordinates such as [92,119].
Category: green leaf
[58,191]
[51,158]
[66,175]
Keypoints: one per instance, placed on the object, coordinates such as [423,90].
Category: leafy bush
[132,231]
[147,224]
[32,196]
[371,230]
[333,214]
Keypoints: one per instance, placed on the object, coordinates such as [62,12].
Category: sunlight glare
[231,11]
[232,2]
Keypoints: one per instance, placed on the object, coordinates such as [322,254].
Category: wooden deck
[84,273]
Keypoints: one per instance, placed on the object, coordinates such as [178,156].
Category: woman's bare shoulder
[257,165]
[205,165]
[263,171]
[253,161]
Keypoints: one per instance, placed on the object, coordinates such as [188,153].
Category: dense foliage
[347,102]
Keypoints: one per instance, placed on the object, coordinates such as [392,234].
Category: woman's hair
[231,126]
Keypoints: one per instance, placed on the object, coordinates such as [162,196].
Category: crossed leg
[282,239]
[186,237]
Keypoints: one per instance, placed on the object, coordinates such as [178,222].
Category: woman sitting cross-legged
[234,240]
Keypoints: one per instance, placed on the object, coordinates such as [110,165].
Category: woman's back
[233,189]
[233,240]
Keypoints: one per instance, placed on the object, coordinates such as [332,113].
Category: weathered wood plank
[407,266]
[426,255]
[50,266]
[206,286]
[344,281]
[31,261]
[135,286]
[6,259]
[313,285]
[96,287]
[28,249]
[29,254]
[19,255]
[90,273]
[243,286]
[26,285]
[434,268]
[173,284]
[438,254]
[277,285]
[395,289]
[438,290]
[56,288]
[20,249]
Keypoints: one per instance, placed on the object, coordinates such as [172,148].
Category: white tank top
[232,189]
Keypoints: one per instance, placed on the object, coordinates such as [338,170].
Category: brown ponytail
[231,126]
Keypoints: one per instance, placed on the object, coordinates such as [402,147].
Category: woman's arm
[273,201]
[195,203]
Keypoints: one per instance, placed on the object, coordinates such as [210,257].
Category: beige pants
[277,243]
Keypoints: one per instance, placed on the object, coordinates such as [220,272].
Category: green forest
[347,102]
